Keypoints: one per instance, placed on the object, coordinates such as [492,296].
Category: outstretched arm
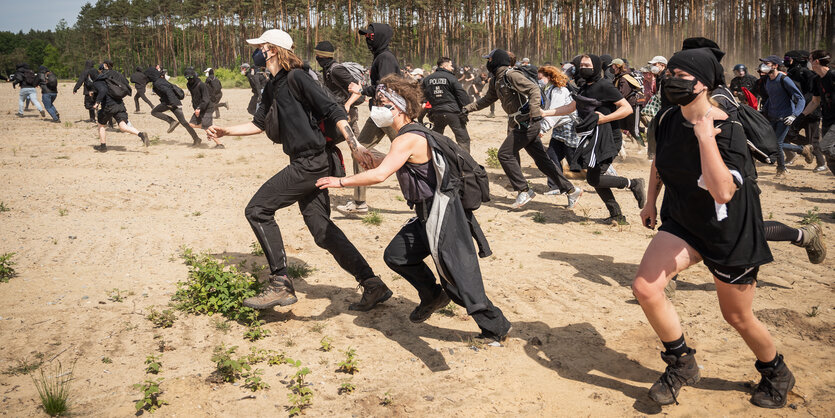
[243,129]
[401,150]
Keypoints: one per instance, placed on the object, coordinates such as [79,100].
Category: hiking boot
[807,154]
[427,307]
[638,190]
[790,156]
[100,147]
[812,241]
[574,196]
[775,384]
[353,208]
[196,142]
[781,173]
[819,168]
[144,137]
[680,371]
[278,291]
[523,198]
[43,114]
[374,291]
[172,126]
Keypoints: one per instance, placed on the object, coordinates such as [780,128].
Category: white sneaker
[574,197]
[522,198]
[819,168]
[554,192]
[352,208]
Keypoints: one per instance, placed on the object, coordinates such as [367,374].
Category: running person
[302,101]
[86,79]
[49,92]
[336,77]
[564,139]
[111,108]
[168,101]
[824,96]
[140,83]
[415,161]
[201,101]
[215,90]
[711,213]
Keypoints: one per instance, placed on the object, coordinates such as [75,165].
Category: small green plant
[299,271]
[201,155]
[68,124]
[539,218]
[811,217]
[3,207]
[350,365]
[153,364]
[196,213]
[63,211]
[373,218]
[116,295]
[256,331]
[256,248]
[493,158]
[62,157]
[163,319]
[450,310]
[221,325]
[106,360]
[596,232]
[275,358]
[24,366]
[325,344]
[300,396]
[150,395]
[54,389]
[7,270]
[229,369]
[475,343]
[813,313]
[155,140]
[254,382]
[347,387]
[318,327]
[388,399]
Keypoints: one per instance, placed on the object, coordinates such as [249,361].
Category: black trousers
[140,93]
[812,126]
[253,103]
[827,145]
[456,122]
[557,151]
[528,139]
[405,254]
[89,102]
[297,183]
[603,185]
[178,112]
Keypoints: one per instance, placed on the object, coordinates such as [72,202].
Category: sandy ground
[83,223]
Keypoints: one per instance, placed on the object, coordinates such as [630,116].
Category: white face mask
[654,70]
[765,68]
[381,116]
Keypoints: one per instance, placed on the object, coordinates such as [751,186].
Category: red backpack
[750,98]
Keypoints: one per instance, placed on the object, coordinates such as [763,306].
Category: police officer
[447,97]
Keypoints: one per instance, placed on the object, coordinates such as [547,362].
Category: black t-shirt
[608,94]
[689,211]
[825,89]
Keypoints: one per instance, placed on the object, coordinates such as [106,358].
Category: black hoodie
[47,80]
[88,75]
[162,87]
[215,88]
[385,62]
[20,77]
[139,79]
[200,96]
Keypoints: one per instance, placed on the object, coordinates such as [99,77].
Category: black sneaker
[426,308]
[680,371]
[616,220]
[172,126]
[775,384]
[278,291]
[43,114]
[374,292]
[638,190]
[100,147]
[196,142]
[144,137]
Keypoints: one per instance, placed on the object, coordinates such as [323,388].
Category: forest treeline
[200,33]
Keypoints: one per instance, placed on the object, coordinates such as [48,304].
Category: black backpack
[178,91]
[466,175]
[762,141]
[117,86]
[29,77]
[328,127]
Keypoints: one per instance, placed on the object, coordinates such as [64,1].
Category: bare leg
[735,302]
[103,134]
[128,129]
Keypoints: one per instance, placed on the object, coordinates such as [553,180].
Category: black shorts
[104,115]
[734,275]
[89,101]
[205,120]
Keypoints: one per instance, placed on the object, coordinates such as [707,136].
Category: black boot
[775,384]
[427,307]
[374,291]
[680,371]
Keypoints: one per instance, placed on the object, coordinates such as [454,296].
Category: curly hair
[409,89]
[554,74]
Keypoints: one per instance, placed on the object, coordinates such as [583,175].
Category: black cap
[774,59]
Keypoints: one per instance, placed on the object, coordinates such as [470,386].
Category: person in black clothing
[254,85]
[88,75]
[711,213]
[447,97]
[215,91]
[424,178]
[480,86]
[49,91]
[303,104]
[605,141]
[742,79]
[809,122]
[824,96]
[168,101]
[201,102]
[377,39]
[336,78]
[140,83]
[111,108]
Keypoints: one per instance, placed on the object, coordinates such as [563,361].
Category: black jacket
[86,78]
[385,62]
[298,118]
[20,79]
[444,92]
[215,88]
[255,82]
[139,79]
[336,79]
[47,80]
[200,96]
[162,88]
[100,87]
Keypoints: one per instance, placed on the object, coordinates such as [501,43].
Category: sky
[16,15]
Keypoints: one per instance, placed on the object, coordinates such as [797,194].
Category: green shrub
[150,395]
[231,78]
[54,389]
[227,368]
[493,158]
[7,270]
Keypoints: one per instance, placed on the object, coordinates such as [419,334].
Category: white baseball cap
[276,37]
[658,59]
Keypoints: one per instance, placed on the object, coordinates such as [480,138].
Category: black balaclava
[597,69]
[88,64]
[381,39]
[324,54]
[211,72]
[191,76]
[700,42]
[605,61]
[498,58]
[153,74]
[139,68]
[701,63]
[799,58]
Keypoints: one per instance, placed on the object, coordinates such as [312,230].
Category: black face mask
[258,58]
[679,91]
[324,62]
[585,73]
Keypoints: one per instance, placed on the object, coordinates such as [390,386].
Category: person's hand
[215,132]
[329,182]
[354,88]
[74,91]
[703,128]
[649,216]
[789,120]
[364,158]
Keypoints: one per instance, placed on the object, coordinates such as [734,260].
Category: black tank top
[417,181]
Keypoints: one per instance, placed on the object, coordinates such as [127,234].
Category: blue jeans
[781,129]
[28,93]
[48,100]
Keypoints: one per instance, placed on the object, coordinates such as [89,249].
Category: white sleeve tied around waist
[721,208]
